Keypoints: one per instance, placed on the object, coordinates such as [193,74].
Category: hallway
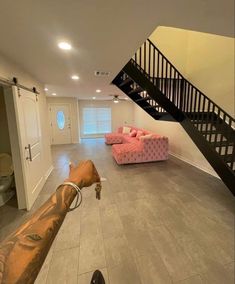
[163,222]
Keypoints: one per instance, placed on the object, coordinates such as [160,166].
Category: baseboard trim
[48,172]
[193,164]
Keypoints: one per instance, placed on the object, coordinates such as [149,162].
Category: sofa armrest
[155,140]
[119,130]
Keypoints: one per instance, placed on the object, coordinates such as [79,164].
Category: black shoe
[97,278]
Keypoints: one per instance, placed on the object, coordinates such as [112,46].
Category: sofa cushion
[139,133]
[149,148]
[126,130]
[113,138]
[133,133]
[128,139]
[147,136]
[128,153]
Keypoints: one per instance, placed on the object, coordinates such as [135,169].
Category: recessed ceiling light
[46,89]
[93,98]
[75,77]
[53,94]
[64,45]
[98,91]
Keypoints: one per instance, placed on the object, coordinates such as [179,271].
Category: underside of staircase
[153,83]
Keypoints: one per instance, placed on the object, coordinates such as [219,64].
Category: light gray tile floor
[163,222]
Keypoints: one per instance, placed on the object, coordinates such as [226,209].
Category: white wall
[73,102]
[5,146]
[174,45]
[180,143]
[122,113]
[210,67]
[206,60]
[9,70]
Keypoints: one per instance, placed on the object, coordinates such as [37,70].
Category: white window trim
[95,135]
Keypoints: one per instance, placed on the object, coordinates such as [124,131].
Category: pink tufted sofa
[128,150]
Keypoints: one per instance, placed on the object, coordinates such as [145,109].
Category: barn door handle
[30,153]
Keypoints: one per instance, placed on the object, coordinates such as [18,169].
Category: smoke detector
[101,73]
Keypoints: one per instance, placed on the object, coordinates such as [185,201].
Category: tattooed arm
[24,251]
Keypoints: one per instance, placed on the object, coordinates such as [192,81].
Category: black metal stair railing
[215,125]
[153,83]
[140,96]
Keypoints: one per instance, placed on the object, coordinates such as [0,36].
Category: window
[60,119]
[96,120]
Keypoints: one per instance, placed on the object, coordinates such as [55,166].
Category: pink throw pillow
[133,133]
[139,133]
[145,137]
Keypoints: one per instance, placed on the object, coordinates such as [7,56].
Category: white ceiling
[104,35]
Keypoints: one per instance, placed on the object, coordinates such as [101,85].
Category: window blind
[96,120]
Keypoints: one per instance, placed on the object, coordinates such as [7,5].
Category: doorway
[60,122]
[7,189]
[22,110]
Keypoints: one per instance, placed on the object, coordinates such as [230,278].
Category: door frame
[50,122]
[10,96]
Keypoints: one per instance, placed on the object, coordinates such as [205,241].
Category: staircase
[153,83]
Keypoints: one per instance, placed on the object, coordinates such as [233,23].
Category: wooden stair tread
[228,158]
[136,91]
[143,99]
[214,131]
[125,82]
[202,122]
[207,132]
[149,107]
[223,143]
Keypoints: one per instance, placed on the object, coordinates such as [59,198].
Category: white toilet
[6,178]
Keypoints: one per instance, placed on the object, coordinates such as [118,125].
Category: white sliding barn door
[29,133]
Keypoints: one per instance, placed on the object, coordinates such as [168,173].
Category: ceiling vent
[101,73]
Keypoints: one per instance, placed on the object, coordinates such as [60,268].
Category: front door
[60,123]
[29,133]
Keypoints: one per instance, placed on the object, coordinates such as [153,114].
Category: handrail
[233,119]
[165,57]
